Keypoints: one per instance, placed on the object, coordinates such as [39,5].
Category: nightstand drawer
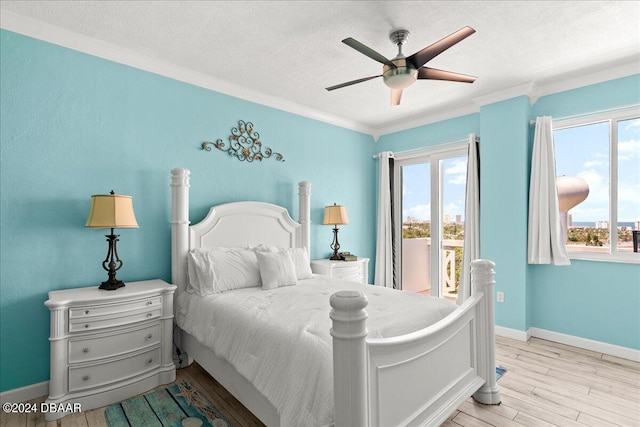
[113,345]
[350,271]
[82,325]
[349,276]
[101,310]
[105,373]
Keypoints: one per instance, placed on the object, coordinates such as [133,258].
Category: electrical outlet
[500,296]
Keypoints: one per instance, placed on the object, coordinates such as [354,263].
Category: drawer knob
[149,362]
[86,378]
[86,325]
[149,302]
[149,314]
[85,350]
[86,312]
[149,336]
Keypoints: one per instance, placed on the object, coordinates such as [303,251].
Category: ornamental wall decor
[244,144]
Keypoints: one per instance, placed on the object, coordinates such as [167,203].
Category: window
[604,152]
[430,186]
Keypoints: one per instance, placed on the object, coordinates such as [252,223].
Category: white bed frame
[415,379]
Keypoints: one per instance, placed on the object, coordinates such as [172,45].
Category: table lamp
[111,211]
[335,215]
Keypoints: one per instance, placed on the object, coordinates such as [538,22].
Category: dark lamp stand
[335,245]
[112,263]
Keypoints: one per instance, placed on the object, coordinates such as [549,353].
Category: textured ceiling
[292,50]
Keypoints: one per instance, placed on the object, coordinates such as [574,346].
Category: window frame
[612,117]
[432,155]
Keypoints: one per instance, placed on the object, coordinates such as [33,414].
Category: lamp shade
[335,215]
[111,211]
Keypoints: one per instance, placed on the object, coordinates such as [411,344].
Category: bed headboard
[232,224]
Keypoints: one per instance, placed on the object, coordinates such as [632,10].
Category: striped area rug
[165,408]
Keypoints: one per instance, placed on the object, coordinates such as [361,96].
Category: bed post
[482,275]
[304,214]
[179,226]
[349,333]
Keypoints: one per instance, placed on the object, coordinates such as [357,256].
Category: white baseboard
[587,344]
[514,334]
[22,394]
[584,343]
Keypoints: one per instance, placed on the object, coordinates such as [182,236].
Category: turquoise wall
[589,299]
[504,188]
[431,134]
[73,125]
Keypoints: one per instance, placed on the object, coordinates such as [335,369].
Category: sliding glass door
[430,187]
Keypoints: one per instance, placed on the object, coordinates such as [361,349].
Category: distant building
[602,224]
[458,219]
[447,219]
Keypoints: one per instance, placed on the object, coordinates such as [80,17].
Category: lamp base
[111,285]
[337,258]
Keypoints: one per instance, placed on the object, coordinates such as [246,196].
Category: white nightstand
[107,346]
[352,271]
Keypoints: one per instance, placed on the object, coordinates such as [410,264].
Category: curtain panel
[545,239]
[471,248]
[385,268]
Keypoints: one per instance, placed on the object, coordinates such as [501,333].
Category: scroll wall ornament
[244,144]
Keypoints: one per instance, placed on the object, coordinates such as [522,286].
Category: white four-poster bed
[418,378]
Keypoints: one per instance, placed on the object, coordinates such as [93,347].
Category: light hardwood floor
[546,384]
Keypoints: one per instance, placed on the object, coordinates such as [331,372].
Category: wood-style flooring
[546,384]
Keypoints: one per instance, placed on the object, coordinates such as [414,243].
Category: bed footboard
[418,378]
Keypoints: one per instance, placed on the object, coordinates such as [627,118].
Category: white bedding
[279,339]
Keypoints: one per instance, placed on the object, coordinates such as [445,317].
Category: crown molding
[451,113]
[49,33]
[502,95]
[573,82]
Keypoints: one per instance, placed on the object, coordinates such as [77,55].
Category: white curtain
[471,249]
[384,245]
[545,242]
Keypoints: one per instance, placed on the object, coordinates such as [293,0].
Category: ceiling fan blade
[396,94]
[420,58]
[435,74]
[366,50]
[352,82]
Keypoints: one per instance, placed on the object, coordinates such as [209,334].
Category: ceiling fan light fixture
[399,81]
[401,77]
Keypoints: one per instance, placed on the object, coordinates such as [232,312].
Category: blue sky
[581,151]
[416,189]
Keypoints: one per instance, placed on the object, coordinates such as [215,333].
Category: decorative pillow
[299,256]
[276,269]
[301,263]
[213,270]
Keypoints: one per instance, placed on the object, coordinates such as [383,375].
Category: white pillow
[276,269]
[299,256]
[301,263]
[213,270]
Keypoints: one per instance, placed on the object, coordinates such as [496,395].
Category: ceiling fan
[401,72]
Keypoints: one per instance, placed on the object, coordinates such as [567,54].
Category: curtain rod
[591,113]
[435,147]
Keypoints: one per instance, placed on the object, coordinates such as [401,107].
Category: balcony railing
[416,266]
